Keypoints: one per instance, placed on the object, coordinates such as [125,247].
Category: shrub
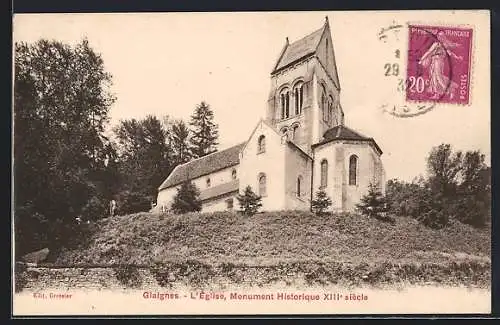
[96,208]
[321,203]
[129,202]
[187,199]
[249,202]
[128,275]
[373,204]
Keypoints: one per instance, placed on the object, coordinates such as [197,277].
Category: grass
[273,238]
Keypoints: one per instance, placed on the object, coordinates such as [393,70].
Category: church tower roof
[341,132]
[302,48]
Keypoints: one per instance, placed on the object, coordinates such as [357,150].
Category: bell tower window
[298,93]
[285,103]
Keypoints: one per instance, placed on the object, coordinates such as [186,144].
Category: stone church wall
[271,163]
[297,164]
[369,168]
[166,196]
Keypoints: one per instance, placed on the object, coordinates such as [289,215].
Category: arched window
[295,131]
[262,184]
[298,94]
[261,144]
[208,182]
[285,103]
[233,173]
[353,166]
[299,185]
[324,173]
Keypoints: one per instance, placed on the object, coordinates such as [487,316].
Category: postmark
[418,76]
[438,66]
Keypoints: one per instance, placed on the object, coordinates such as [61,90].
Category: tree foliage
[374,204]
[458,186]
[321,203]
[180,142]
[249,202]
[204,131]
[187,199]
[61,104]
[145,160]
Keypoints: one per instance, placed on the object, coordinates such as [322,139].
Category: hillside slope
[271,238]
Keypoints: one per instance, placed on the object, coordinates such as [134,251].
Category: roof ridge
[356,132]
[308,35]
[210,154]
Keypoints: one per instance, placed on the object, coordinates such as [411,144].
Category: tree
[472,205]
[61,105]
[443,167]
[458,186]
[321,203]
[249,202]
[187,199]
[204,131]
[180,142]
[144,161]
[374,204]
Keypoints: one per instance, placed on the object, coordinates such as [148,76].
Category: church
[301,146]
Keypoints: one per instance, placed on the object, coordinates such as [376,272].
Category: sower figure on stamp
[434,58]
[112,207]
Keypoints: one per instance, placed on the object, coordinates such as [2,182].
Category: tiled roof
[203,166]
[342,132]
[219,190]
[299,49]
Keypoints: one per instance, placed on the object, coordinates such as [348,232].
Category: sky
[167,63]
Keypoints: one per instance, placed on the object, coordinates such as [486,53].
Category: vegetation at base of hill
[270,238]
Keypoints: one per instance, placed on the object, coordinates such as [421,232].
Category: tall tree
[180,142]
[61,104]
[144,161]
[443,166]
[204,130]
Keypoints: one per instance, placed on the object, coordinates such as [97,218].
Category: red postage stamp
[439,64]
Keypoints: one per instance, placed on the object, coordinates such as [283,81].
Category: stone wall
[199,275]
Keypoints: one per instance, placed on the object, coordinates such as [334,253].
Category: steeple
[308,46]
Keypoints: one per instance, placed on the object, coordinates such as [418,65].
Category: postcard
[234,163]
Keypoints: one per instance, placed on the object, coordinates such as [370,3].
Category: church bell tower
[304,96]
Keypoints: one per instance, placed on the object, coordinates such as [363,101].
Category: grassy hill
[270,238]
[285,247]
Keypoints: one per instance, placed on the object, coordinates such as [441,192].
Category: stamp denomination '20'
[439,68]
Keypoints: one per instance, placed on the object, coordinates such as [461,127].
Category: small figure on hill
[250,203]
[321,203]
[112,208]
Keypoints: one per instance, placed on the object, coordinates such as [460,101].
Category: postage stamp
[439,64]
